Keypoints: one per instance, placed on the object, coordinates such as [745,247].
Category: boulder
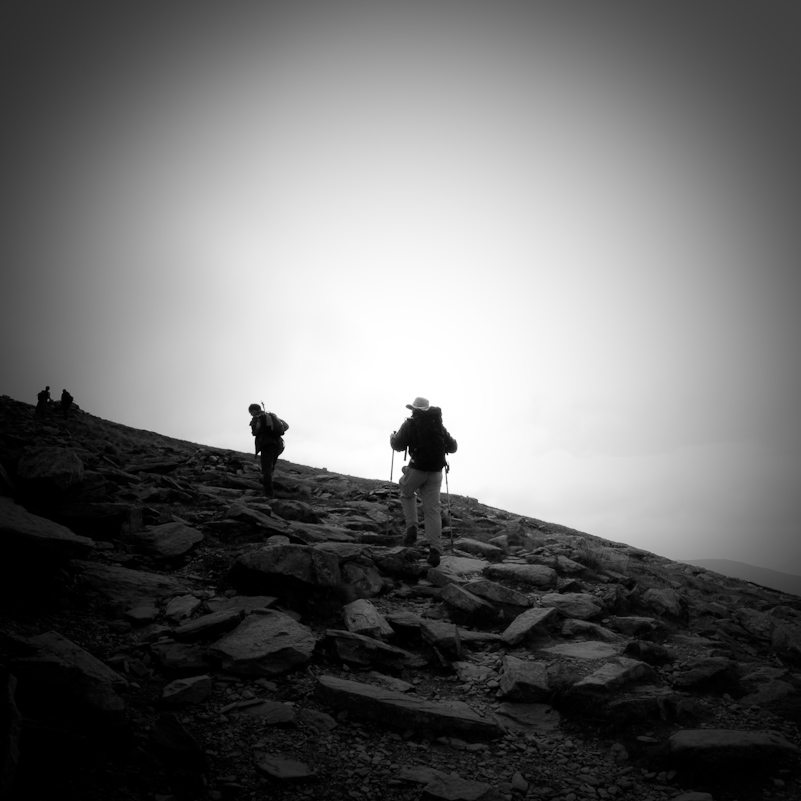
[124,587]
[30,534]
[50,466]
[167,541]
[183,692]
[212,625]
[726,749]
[362,651]
[299,563]
[481,549]
[266,644]
[528,624]
[68,681]
[579,605]
[361,617]
[400,711]
[530,575]
[523,680]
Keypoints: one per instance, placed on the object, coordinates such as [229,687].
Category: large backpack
[272,430]
[427,440]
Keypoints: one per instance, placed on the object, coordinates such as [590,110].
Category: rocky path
[165,632]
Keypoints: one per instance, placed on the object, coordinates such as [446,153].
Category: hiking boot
[433,558]
[411,536]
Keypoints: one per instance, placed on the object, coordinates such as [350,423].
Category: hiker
[268,430]
[66,402]
[428,441]
[43,401]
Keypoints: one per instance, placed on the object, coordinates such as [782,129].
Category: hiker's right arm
[399,440]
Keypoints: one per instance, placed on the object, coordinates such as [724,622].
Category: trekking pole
[389,499]
[448,496]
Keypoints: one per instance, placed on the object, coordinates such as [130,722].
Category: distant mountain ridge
[784,582]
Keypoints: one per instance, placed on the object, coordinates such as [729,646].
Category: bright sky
[573,226]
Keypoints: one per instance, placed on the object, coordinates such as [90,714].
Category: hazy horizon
[572,226]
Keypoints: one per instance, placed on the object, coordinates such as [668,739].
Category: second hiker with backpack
[428,441]
[268,430]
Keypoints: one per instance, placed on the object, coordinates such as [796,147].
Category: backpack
[272,429]
[427,440]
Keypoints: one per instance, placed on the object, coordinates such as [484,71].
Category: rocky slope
[165,632]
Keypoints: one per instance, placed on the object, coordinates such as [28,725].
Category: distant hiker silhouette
[66,402]
[43,401]
[267,429]
[428,441]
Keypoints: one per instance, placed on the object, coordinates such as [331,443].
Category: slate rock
[176,745]
[361,617]
[616,673]
[497,593]
[142,613]
[528,624]
[482,549]
[728,748]
[311,566]
[70,680]
[454,788]
[363,651]
[466,608]
[530,575]
[264,644]
[364,581]
[182,607]
[246,603]
[212,625]
[183,692]
[580,605]
[168,540]
[523,680]
[51,465]
[397,710]
[124,587]
[269,713]
[21,530]
[665,601]
[290,771]
[178,657]
[101,521]
[527,717]
[590,649]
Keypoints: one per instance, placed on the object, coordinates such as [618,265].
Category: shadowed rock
[428,718]
[724,748]
[68,680]
[55,466]
[124,587]
[168,540]
[21,530]
[265,644]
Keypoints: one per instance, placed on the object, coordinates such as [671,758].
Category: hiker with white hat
[428,442]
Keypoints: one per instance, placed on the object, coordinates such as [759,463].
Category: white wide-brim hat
[419,403]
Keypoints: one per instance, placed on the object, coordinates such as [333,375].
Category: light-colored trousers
[427,485]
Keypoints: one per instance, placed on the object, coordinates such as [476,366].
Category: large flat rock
[729,747]
[122,586]
[396,710]
[21,529]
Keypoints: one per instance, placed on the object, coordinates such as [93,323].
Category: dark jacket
[268,429]
[406,437]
